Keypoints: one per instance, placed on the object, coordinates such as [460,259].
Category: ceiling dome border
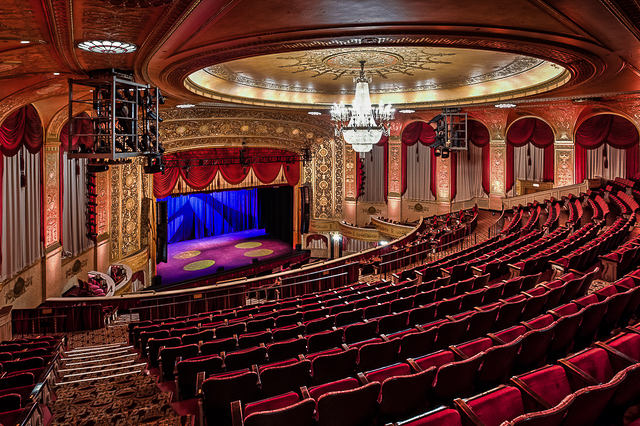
[584,65]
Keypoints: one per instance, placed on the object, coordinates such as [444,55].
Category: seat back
[324,340]
[416,344]
[402,395]
[245,358]
[202,336]
[456,378]
[219,392]
[498,405]
[287,349]
[441,416]
[215,347]
[281,379]
[360,332]
[169,355]
[376,355]
[187,372]
[497,364]
[590,401]
[299,414]
[350,407]
[550,417]
[327,368]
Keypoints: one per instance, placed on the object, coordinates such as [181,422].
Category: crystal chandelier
[361,125]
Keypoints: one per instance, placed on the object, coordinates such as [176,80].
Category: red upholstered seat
[273,403]
[187,371]
[215,347]
[627,343]
[551,417]
[493,407]
[286,349]
[417,343]
[219,392]
[245,358]
[377,354]
[336,386]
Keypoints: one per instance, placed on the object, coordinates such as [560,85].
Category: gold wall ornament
[498,172]
[19,288]
[395,167]
[562,118]
[564,165]
[52,194]
[494,119]
[443,179]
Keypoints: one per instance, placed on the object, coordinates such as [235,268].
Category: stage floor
[193,259]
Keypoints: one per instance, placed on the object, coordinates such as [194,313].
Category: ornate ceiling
[302,53]
[411,76]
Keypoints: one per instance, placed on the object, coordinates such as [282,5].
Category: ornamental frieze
[498,154]
[51,195]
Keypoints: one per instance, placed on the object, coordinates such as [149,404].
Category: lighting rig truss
[123,115]
[242,159]
[451,132]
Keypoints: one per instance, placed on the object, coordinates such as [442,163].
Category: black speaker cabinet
[161,232]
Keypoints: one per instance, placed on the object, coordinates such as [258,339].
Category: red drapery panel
[84,126]
[454,173]
[434,176]
[479,136]
[414,132]
[539,134]
[200,174]
[383,143]
[22,127]
[611,129]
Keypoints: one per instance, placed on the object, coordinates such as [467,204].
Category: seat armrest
[362,379]
[575,374]
[445,273]
[414,365]
[496,339]
[614,353]
[236,414]
[467,413]
[304,392]
[199,380]
[458,353]
[528,393]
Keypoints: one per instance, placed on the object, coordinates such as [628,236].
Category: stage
[193,259]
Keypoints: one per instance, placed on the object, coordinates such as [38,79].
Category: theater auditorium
[319,213]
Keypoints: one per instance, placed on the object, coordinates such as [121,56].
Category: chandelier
[361,125]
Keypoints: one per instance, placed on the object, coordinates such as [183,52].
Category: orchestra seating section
[504,332]
[456,341]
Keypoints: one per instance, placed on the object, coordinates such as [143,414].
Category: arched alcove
[607,146]
[529,151]
[418,161]
[470,169]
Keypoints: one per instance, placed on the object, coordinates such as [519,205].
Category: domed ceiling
[408,76]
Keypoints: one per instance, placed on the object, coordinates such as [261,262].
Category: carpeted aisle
[103,383]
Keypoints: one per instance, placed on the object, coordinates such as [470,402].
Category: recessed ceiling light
[185,106]
[25,42]
[314,113]
[505,105]
[407,111]
[56,73]
[107,46]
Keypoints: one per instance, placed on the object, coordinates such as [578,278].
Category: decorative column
[52,283]
[394,171]
[350,184]
[562,118]
[495,120]
[443,185]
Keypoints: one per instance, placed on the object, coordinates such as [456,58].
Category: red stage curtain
[414,132]
[611,129]
[534,131]
[200,176]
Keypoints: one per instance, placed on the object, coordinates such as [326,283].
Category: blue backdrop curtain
[204,215]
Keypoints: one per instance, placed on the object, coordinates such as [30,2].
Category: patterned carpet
[119,394]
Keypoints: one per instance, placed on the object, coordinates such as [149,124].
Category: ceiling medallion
[346,62]
[107,46]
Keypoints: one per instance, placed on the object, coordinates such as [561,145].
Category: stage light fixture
[445,152]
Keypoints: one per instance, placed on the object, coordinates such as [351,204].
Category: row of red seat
[27,366]
[438,377]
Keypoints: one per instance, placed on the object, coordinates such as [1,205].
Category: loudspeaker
[220,269]
[254,260]
[298,247]
[161,232]
[156,281]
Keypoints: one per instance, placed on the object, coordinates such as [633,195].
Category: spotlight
[445,152]
[97,168]
[437,152]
